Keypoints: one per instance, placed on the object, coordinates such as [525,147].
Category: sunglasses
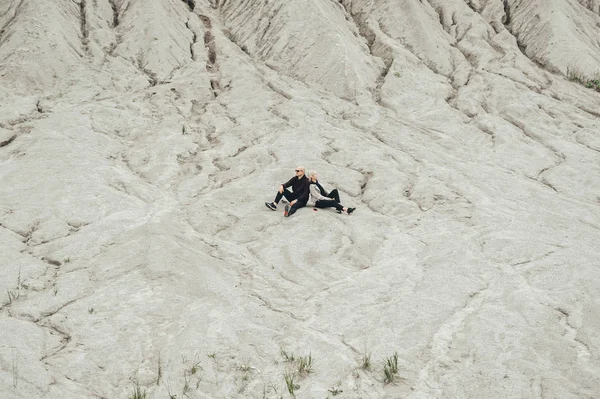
[299,170]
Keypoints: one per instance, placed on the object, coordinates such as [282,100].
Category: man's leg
[335,195]
[286,193]
[273,205]
[328,204]
[290,196]
[295,207]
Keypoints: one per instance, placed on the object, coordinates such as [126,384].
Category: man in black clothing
[297,197]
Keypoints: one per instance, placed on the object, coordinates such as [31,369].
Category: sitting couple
[306,191]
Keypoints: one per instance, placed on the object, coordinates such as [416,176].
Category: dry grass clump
[390,368]
[138,393]
[574,74]
[287,357]
[303,365]
[366,362]
[290,382]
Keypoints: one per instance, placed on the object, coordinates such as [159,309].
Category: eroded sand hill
[139,140]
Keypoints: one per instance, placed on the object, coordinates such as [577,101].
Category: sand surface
[139,140]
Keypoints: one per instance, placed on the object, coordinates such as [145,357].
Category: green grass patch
[290,382]
[138,393]
[575,75]
[390,368]
[305,365]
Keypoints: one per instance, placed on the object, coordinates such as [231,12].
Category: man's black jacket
[300,187]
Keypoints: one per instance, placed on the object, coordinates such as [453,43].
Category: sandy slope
[139,140]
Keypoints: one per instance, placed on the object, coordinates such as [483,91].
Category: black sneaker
[350,210]
[271,206]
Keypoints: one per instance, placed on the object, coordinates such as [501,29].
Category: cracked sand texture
[139,140]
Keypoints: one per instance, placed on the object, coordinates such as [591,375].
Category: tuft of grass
[55,289]
[334,391]
[390,368]
[186,385]
[91,310]
[305,365]
[366,362]
[195,367]
[212,355]
[290,382]
[245,368]
[15,367]
[12,295]
[268,389]
[159,371]
[171,394]
[287,357]
[388,376]
[138,393]
[575,75]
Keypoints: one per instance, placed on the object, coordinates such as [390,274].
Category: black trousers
[290,196]
[329,204]
[335,195]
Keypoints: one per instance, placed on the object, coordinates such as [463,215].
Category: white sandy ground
[139,141]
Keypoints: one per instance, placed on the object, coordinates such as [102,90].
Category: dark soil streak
[11,20]
[7,142]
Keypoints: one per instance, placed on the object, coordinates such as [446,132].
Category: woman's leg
[328,204]
[335,195]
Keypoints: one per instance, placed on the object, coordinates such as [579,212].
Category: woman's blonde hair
[312,173]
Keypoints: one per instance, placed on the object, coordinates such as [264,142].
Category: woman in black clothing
[319,198]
